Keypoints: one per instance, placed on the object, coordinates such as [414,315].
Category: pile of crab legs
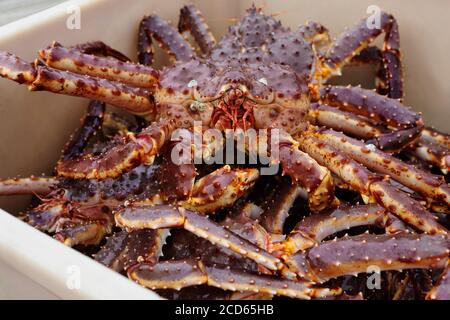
[93,195]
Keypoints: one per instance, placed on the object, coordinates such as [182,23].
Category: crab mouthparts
[233,111]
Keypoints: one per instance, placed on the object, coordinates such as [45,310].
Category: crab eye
[192,83]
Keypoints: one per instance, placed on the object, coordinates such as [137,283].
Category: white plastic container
[34,126]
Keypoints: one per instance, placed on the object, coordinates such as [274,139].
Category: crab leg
[73,60]
[39,77]
[31,185]
[177,179]
[91,123]
[234,280]
[145,51]
[16,69]
[347,122]
[388,79]
[433,147]
[431,186]
[180,274]
[351,42]
[83,234]
[164,216]
[99,48]
[437,137]
[137,149]
[248,228]
[432,153]
[305,171]
[167,37]
[369,184]
[441,291]
[352,255]
[124,249]
[379,109]
[356,126]
[276,208]
[192,20]
[168,274]
[316,227]
[73,223]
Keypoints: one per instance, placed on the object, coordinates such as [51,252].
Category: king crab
[261,75]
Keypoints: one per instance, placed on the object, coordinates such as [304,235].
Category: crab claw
[136,149]
[220,189]
[72,223]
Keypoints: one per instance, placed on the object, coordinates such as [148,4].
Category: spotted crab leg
[167,37]
[429,185]
[356,126]
[248,228]
[136,149]
[181,274]
[432,147]
[30,185]
[192,20]
[90,125]
[352,41]
[276,208]
[74,60]
[304,170]
[378,109]
[441,291]
[165,216]
[178,177]
[124,249]
[347,122]
[356,254]
[371,185]
[41,77]
[387,65]
[83,234]
[99,48]
[431,153]
[314,228]
[437,137]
